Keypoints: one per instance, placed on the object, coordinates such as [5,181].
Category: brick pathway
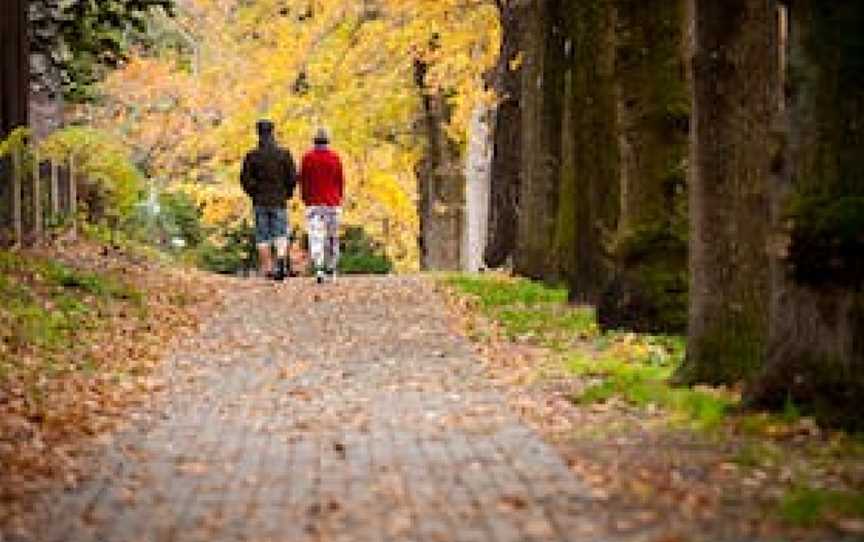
[386,432]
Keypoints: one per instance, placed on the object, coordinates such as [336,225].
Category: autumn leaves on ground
[585,171]
[90,326]
[83,327]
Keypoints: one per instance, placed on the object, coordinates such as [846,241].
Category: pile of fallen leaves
[83,328]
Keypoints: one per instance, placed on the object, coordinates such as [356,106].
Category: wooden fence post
[16,197]
[73,196]
[55,188]
[37,196]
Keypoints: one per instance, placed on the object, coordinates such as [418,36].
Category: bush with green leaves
[229,250]
[75,42]
[109,181]
[362,255]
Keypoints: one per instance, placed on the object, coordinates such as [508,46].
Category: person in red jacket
[322,185]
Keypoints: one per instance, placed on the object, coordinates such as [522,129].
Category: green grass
[91,283]
[807,507]
[643,380]
[546,324]
[494,291]
[46,302]
[528,310]
[635,368]
[757,454]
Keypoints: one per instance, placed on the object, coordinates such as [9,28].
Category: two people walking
[269,177]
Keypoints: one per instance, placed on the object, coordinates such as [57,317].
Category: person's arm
[291,174]
[303,176]
[247,176]
[340,179]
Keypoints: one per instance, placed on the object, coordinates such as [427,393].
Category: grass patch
[808,507]
[91,283]
[527,310]
[644,382]
[499,291]
[46,303]
[757,453]
[635,368]
[545,323]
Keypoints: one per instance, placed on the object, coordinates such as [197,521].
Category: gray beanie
[322,137]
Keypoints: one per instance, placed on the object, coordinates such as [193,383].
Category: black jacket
[269,176]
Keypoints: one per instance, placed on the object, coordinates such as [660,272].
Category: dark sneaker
[281,270]
[319,277]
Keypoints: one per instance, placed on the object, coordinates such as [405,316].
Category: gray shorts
[270,223]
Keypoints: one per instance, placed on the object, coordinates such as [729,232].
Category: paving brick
[349,412]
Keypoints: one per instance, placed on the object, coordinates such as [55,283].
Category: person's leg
[333,219]
[262,240]
[280,232]
[317,233]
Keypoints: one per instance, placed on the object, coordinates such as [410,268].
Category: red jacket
[321,179]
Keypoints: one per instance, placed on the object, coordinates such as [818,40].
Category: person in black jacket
[269,176]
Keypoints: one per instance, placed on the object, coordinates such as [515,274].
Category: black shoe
[281,272]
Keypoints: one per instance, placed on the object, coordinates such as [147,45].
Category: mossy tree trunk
[589,205]
[507,146]
[736,98]
[441,179]
[816,354]
[649,287]
[542,76]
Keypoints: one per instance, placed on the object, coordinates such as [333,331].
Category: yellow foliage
[348,66]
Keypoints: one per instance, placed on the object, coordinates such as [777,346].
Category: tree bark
[14,94]
[477,179]
[736,93]
[589,205]
[14,71]
[816,354]
[441,184]
[507,146]
[542,77]
[648,291]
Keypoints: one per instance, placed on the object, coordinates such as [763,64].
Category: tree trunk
[816,354]
[14,71]
[441,184]
[735,103]
[477,178]
[14,81]
[588,209]
[649,288]
[507,147]
[542,90]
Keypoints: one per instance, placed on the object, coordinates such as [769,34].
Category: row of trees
[695,164]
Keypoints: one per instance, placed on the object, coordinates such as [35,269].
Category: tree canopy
[348,66]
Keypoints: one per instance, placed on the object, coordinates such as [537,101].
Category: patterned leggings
[323,226]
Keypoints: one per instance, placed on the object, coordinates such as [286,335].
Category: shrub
[230,250]
[362,255]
